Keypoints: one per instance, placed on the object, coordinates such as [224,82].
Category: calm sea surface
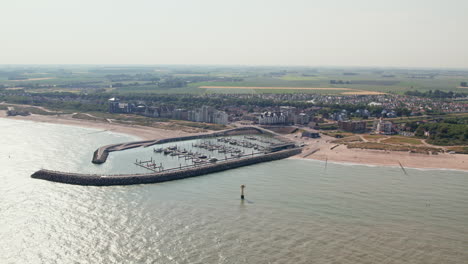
[297,211]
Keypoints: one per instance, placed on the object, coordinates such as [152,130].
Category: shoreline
[397,166]
[141,132]
[325,149]
[322,149]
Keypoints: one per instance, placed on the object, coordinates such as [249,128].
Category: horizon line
[239,65]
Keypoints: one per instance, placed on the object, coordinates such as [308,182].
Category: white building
[272,118]
[383,127]
[208,114]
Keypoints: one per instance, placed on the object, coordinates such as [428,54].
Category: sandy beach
[321,148]
[142,132]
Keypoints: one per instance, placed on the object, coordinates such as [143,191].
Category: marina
[177,158]
[210,151]
[207,151]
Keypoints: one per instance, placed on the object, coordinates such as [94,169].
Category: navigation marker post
[242,191]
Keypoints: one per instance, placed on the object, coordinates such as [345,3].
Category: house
[353,126]
[301,119]
[272,118]
[115,106]
[208,114]
[383,127]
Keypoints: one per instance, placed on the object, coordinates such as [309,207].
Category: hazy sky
[407,33]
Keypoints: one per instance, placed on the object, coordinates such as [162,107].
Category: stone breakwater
[128,179]
[101,154]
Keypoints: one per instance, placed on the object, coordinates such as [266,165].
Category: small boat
[159,150]
[202,157]
[213,160]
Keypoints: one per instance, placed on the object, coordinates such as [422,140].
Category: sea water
[296,211]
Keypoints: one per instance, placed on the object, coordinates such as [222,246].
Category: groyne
[101,154]
[128,179]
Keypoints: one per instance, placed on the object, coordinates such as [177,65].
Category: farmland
[164,79]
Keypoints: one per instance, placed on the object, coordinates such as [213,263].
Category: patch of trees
[412,126]
[401,111]
[17,78]
[351,108]
[436,94]
[211,79]
[339,82]
[168,81]
[273,74]
[172,83]
[448,132]
[365,82]
[147,77]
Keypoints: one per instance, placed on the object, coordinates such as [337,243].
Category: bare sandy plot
[275,88]
[34,79]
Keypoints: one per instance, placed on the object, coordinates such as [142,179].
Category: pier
[101,154]
[155,177]
[220,151]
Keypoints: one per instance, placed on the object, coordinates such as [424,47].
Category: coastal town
[273,109]
[390,111]
[329,127]
[234,132]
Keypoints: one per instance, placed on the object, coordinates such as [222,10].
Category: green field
[137,79]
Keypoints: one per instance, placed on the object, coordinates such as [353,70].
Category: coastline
[374,165]
[414,163]
[323,147]
[142,132]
